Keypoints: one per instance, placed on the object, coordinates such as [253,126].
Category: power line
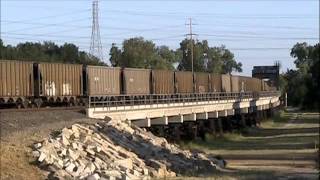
[47,35]
[260,37]
[84,37]
[45,25]
[141,30]
[166,38]
[49,40]
[64,24]
[160,38]
[254,26]
[58,15]
[85,44]
[223,16]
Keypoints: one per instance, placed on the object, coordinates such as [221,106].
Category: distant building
[269,73]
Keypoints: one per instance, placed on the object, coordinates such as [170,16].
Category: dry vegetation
[283,147]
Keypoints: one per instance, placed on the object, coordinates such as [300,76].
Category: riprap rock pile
[116,150]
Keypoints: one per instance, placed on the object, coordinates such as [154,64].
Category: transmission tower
[95,45]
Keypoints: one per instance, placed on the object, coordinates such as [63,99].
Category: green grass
[245,175]
[240,142]
[278,120]
[287,137]
[272,135]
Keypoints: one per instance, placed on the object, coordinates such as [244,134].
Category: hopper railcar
[58,83]
[27,83]
[16,82]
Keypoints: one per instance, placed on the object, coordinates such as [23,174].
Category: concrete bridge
[155,110]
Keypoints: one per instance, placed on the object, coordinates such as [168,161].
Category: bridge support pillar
[227,124]
[223,113]
[203,116]
[244,110]
[189,117]
[212,126]
[220,127]
[243,120]
[272,110]
[193,130]
[159,121]
[142,122]
[253,119]
[264,114]
[175,119]
[176,134]
[201,129]
[230,112]
[214,114]
[190,130]
[158,130]
[259,117]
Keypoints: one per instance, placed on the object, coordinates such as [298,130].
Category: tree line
[133,53]
[47,52]
[140,53]
[302,84]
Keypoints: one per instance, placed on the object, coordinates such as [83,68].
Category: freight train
[29,84]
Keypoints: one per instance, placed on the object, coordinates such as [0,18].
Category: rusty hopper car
[59,82]
[201,81]
[215,82]
[242,83]
[265,86]
[183,82]
[136,81]
[102,81]
[162,82]
[225,83]
[16,82]
[252,84]
[235,84]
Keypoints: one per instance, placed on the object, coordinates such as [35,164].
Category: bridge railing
[134,100]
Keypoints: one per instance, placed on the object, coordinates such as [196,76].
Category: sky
[258,32]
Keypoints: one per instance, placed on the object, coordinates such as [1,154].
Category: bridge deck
[176,110]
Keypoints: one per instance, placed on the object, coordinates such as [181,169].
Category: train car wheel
[20,103]
[72,102]
[25,103]
[38,103]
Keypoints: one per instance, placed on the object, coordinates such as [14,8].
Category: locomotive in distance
[30,84]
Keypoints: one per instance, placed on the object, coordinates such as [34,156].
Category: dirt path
[285,163]
[278,150]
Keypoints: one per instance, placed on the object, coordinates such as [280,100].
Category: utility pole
[191,41]
[96,45]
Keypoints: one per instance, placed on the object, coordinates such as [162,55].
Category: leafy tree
[69,53]
[207,59]
[115,55]
[199,49]
[140,53]
[302,84]
[48,52]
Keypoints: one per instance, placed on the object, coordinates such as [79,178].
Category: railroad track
[42,109]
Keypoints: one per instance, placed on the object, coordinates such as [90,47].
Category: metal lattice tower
[95,45]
